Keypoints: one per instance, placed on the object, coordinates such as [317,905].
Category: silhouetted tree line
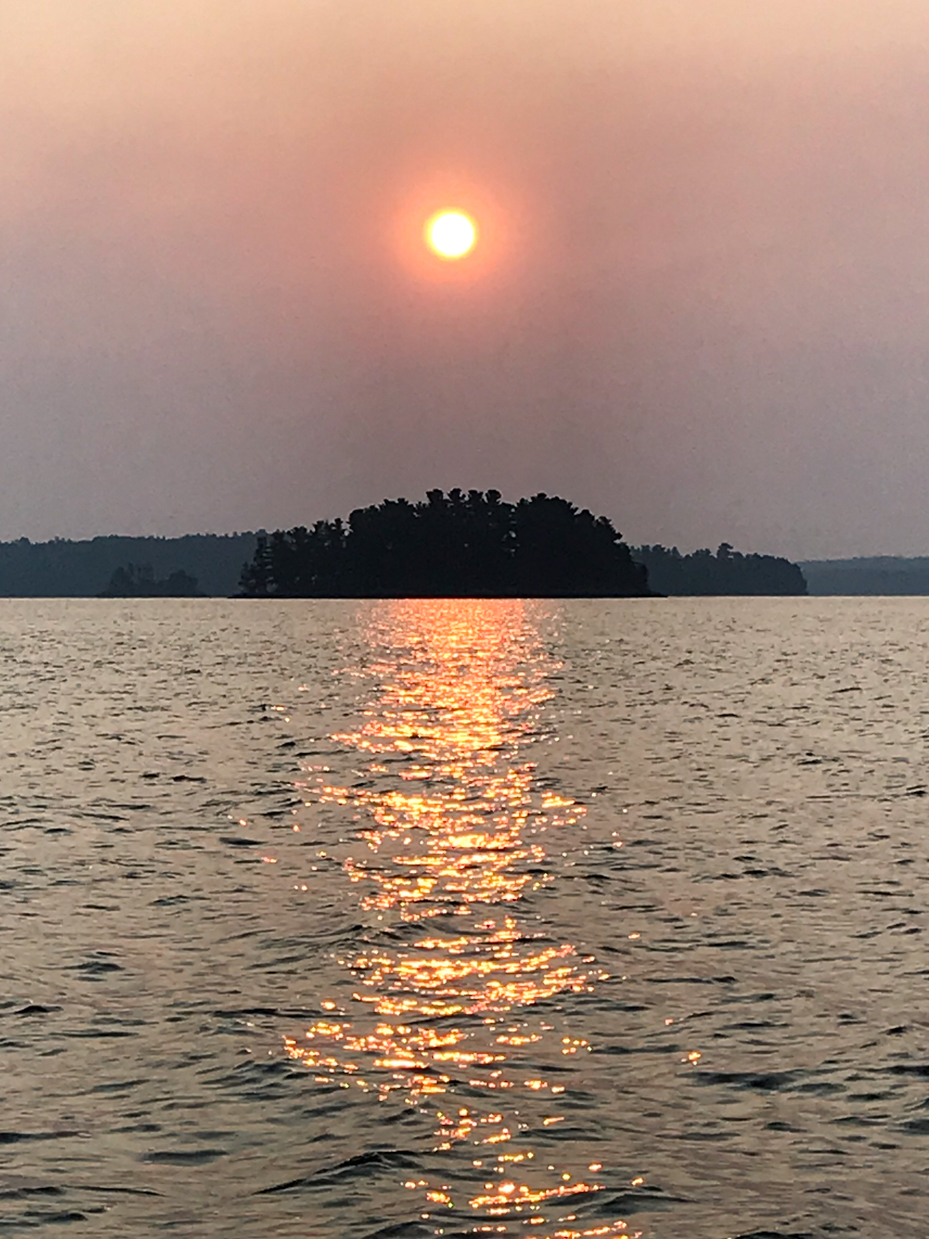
[726,572]
[62,568]
[139,581]
[454,545]
[65,569]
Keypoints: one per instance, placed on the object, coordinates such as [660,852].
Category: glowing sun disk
[451,234]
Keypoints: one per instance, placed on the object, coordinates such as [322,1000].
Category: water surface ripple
[465,918]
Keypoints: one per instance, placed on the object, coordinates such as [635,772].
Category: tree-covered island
[139,581]
[458,545]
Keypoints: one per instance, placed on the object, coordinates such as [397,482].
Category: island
[139,581]
[459,545]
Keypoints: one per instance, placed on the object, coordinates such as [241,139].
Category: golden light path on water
[450,1008]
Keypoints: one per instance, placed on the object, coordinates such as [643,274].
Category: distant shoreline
[874,576]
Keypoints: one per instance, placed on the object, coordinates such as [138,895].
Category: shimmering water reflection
[402,920]
[453,829]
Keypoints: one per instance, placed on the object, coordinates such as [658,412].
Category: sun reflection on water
[451,1005]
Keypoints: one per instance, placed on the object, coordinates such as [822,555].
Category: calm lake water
[465,918]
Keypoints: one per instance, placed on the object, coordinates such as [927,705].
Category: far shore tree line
[457,544]
[726,572]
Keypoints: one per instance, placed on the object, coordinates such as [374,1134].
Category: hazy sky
[700,303]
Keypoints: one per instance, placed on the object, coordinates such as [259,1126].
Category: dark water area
[465,918]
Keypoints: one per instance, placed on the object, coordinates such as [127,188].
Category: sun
[451,234]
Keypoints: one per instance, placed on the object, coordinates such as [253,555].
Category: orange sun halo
[450,234]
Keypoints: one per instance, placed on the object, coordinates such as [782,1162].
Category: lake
[554,919]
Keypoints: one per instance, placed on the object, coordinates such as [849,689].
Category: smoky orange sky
[699,302]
